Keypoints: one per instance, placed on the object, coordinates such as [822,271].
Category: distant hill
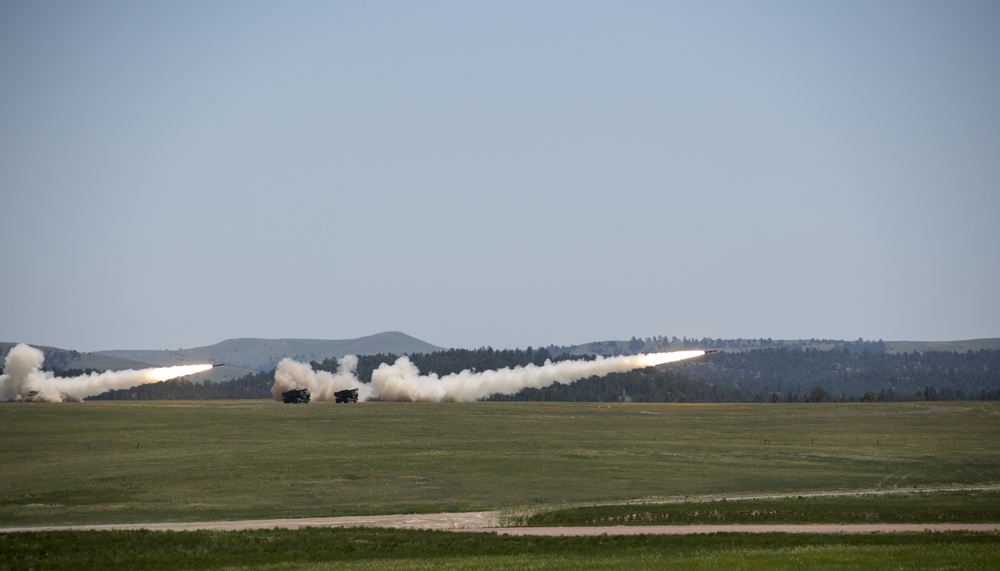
[63,359]
[663,343]
[776,374]
[264,354]
[241,356]
[248,356]
[957,346]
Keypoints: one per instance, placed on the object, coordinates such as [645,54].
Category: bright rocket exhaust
[402,381]
[23,379]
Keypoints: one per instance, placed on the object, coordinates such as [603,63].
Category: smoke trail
[402,381]
[23,379]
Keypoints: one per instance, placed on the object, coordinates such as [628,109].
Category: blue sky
[508,174]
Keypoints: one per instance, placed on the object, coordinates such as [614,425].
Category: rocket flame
[24,379]
[402,381]
[653,359]
[167,373]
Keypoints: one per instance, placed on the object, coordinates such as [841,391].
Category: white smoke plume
[402,381]
[23,379]
[292,375]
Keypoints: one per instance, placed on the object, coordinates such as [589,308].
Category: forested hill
[264,354]
[760,375]
[665,343]
[787,374]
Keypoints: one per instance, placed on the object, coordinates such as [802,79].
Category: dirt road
[490,521]
[441,521]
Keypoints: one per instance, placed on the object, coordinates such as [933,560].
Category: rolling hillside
[655,344]
[957,346]
[246,356]
[63,359]
[264,354]
[241,356]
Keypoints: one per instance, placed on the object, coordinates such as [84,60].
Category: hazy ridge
[241,356]
[662,343]
[246,355]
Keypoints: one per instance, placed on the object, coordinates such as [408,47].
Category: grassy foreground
[374,549]
[919,507]
[115,462]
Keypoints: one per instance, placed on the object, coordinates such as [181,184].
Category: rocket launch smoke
[402,381]
[23,379]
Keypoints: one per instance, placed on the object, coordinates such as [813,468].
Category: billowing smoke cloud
[23,379]
[292,375]
[402,381]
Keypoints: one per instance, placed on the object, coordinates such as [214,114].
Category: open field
[972,506]
[383,549]
[114,462]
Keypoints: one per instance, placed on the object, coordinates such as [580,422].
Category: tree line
[776,374]
[666,343]
[793,375]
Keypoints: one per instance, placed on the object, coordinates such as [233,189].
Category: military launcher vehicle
[295,396]
[346,395]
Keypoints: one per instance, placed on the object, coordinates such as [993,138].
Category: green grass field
[380,549]
[115,462]
[982,506]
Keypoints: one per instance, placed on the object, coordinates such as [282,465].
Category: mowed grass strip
[117,462]
[381,549]
[920,507]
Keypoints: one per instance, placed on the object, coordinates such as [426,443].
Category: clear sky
[173,174]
